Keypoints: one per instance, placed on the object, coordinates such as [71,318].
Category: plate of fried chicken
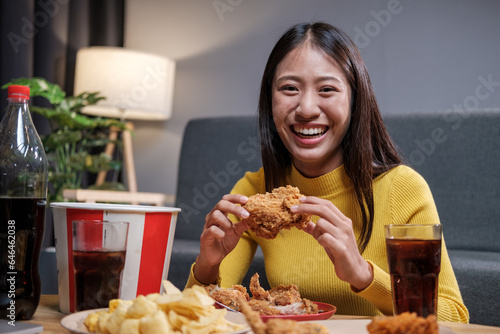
[282,301]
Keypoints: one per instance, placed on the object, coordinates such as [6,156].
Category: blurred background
[422,55]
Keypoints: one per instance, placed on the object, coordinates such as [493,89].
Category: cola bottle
[23,195]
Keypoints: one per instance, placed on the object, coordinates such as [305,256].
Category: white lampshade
[137,85]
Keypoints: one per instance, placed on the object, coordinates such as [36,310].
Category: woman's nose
[308,106]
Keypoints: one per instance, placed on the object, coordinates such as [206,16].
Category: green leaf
[40,87]
[67,136]
[97,140]
[78,161]
[93,163]
[90,98]
[63,179]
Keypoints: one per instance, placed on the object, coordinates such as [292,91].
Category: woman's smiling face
[311,101]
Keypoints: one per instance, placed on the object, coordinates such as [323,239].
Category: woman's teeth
[309,131]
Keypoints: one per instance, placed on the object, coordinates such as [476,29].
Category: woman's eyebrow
[328,78]
[288,77]
[319,79]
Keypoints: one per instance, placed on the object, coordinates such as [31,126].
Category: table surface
[49,317]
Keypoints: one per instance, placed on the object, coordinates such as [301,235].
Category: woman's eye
[288,88]
[328,89]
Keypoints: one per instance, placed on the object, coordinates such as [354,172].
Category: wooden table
[49,317]
[47,314]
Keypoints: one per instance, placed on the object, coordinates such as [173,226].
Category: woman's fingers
[325,209]
[232,204]
[310,227]
[325,233]
[319,207]
[234,198]
[215,232]
[240,227]
[227,205]
[220,235]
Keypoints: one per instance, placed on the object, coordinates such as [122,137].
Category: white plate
[74,321]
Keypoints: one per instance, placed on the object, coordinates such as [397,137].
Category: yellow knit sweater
[401,196]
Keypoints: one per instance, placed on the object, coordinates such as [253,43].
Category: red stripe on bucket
[154,248]
[76,214]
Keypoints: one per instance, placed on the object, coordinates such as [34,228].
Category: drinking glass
[99,250]
[414,257]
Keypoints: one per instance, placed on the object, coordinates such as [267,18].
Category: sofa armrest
[478,276]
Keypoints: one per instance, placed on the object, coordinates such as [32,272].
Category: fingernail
[245,214]
[303,199]
[294,208]
[243,198]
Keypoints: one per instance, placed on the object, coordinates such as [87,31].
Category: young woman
[321,131]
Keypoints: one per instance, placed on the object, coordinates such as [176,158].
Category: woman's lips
[309,134]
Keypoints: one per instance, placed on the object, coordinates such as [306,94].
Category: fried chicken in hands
[270,212]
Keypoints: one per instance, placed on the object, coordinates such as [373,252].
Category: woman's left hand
[334,232]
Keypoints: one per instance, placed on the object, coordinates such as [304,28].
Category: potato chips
[191,311]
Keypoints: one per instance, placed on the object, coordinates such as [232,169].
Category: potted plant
[75,144]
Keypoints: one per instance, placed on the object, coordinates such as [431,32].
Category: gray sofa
[457,153]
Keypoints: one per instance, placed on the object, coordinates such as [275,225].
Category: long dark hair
[368,151]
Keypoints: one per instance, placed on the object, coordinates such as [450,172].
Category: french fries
[191,311]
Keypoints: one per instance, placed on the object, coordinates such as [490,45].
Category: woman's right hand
[219,236]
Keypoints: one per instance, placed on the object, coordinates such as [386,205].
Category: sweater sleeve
[379,291]
[411,202]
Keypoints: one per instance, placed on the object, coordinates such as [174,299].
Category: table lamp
[137,86]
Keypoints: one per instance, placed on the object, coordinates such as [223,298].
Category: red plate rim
[327,311]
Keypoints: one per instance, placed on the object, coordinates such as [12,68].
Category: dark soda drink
[97,277]
[414,266]
[23,193]
[22,223]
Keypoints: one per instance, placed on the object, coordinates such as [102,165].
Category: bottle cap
[18,91]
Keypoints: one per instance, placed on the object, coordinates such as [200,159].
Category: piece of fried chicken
[285,294]
[408,323]
[270,212]
[278,326]
[229,297]
[263,307]
[265,302]
[259,292]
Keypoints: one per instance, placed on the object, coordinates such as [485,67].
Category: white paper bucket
[149,246]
